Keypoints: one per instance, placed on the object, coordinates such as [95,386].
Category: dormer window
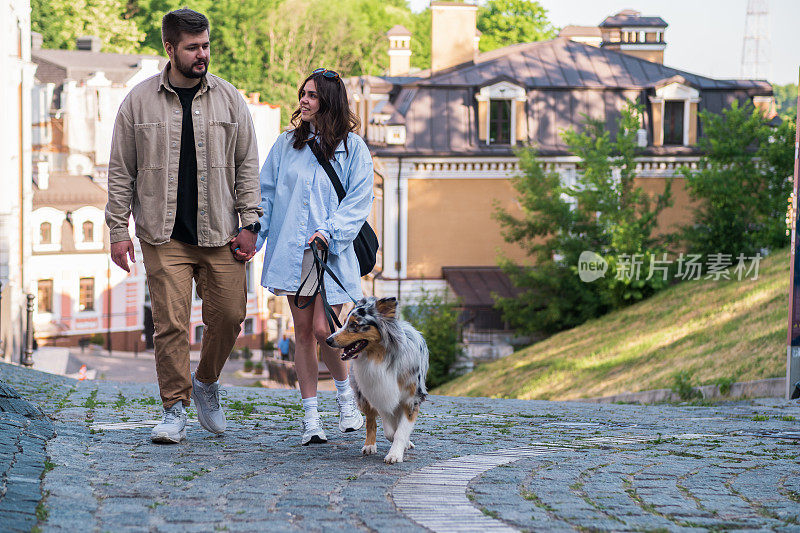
[501,114]
[674,113]
[673,122]
[500,122]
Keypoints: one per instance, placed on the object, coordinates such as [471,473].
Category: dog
[390,361]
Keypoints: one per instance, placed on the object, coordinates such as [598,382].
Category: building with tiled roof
[444,139]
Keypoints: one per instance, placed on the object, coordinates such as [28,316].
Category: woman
[300,205]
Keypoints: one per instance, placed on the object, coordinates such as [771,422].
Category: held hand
[120,251]
[320,236]
[243,245]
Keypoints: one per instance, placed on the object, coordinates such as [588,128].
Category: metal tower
[756,58]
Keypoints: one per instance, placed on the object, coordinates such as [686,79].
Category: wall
[450,224]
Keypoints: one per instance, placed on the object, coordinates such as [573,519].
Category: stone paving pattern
[24,431]
[596,467]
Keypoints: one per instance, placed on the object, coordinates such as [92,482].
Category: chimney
[89,43]
[631,33]
[453,33]
[399,51]
[36,41]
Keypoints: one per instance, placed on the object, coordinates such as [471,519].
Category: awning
[475,285]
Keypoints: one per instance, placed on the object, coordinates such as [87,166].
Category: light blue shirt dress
[298,198]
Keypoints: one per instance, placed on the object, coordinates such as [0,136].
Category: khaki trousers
[221,284]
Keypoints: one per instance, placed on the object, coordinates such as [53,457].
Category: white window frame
[56,219]
[96,217]
[502,91]
[676,92]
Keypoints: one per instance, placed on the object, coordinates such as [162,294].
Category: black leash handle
[320,252]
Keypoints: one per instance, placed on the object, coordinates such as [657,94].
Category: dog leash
[320,252]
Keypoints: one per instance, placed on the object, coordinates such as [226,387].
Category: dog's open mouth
[351,350]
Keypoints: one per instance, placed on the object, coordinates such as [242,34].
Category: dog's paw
[393,457]
[370,449]
[410,445]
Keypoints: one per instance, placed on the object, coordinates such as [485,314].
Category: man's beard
[188,70]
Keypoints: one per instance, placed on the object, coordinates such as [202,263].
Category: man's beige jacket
[145,151]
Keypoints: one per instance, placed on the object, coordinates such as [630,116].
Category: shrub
[269,346]
[725,385]
[437,320]
[258,369]
[682,386]
[98,339]
[248,366]
[247,353]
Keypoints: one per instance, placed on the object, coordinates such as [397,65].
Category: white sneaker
[312,432]
[350,418]
[206,400]
[173,428]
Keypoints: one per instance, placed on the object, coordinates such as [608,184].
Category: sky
[704,36]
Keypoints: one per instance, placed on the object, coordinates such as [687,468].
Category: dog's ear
[387,306]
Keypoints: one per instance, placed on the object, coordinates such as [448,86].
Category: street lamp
[27,355]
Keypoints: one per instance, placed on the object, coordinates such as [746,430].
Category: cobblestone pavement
[24,431]
[479,465]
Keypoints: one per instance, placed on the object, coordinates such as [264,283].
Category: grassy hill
[711,329]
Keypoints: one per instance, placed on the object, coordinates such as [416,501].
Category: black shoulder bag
[366,242]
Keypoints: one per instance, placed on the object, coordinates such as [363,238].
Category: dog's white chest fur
[377,384]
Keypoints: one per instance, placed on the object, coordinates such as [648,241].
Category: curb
[762,388]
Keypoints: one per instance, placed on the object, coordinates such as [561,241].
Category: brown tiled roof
[580,31]
[475,286]
[568,64]
[624,19]
[78,65]
[68,193]
[398,30]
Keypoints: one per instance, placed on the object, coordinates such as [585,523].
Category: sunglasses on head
[330,74]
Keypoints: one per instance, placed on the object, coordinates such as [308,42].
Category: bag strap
[337,184]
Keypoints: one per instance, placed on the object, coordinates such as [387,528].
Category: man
[283,347]
[184,162]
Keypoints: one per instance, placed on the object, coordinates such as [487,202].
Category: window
[673,122]
[248,326]
[86,295]
[45,296]
[500,122]
[88,231]
[198,333]
[45,233]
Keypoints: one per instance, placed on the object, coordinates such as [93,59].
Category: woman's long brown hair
[333,121]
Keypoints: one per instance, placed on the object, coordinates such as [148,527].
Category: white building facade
[15,185]
[81,294]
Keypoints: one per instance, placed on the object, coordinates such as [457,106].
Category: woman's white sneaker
[173,428]
[350,418]
[312,432]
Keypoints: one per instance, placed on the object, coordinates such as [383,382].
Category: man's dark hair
[180,21]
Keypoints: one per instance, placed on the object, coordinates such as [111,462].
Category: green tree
[269,46]
[507,22]
[603,212]
[437,319]
[61,22]
[786,99]
[741,183]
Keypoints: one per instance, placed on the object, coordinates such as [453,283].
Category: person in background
[283,347]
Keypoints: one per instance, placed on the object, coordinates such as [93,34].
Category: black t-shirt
[185,228]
